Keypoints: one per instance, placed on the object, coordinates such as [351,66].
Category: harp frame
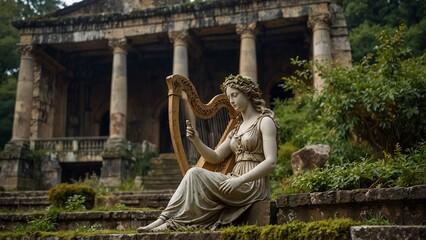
[176,85]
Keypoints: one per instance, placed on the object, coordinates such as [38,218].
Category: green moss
[60,194]
[338,228]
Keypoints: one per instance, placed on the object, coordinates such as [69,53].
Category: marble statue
[209,200]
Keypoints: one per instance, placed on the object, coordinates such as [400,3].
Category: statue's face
[238,99]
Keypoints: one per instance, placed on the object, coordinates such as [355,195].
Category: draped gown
[198,203]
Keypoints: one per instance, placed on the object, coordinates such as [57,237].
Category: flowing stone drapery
[248,61]
[118,107]
[24,96]
[320,23]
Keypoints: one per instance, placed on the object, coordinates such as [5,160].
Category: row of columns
[118,108]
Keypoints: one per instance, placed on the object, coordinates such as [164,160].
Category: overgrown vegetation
[373,116]
[324,229]
[65,194]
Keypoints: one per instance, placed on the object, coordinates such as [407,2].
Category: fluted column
[24,96]
[320,24]
[248,60]
[118,107]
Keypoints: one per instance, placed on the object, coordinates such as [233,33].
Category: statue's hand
[229,185]
[191,133]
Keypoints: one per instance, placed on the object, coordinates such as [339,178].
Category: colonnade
[320,24]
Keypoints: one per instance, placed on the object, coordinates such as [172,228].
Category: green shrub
[60,194]
[398,170]
[380,101]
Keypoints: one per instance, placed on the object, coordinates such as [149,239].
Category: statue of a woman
[206,199]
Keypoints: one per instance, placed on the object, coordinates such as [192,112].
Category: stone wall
[398,205]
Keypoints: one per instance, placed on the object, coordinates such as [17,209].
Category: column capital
[119,44]
[179,36]
[26,50]
[250,28]
[319,20]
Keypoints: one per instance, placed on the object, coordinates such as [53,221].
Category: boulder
[310,157]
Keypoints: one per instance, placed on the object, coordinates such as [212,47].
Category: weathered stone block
[388,232]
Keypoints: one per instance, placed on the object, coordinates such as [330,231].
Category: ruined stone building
[92,75]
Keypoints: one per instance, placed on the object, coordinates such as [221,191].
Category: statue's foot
[151,226]
[162,227]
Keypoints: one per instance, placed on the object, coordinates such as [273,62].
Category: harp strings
[210,131]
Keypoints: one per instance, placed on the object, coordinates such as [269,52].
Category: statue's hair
[249,88]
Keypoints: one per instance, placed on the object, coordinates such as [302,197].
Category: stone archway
[274,89]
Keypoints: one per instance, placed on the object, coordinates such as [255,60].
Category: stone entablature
[169,18]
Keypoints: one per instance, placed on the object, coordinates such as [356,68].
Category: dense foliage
[365,18]
[367,114]
[380,101]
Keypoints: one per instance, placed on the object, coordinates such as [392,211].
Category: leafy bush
[398,170]
[60,194]
[75,203]
[380,101]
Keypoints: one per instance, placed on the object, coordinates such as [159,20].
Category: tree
[364,17]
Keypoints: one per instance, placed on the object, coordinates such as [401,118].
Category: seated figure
[208,200]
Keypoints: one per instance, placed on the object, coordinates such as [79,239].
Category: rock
[310,157]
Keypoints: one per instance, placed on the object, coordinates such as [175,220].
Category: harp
[176,85]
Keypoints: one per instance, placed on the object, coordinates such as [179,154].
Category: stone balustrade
[71,149]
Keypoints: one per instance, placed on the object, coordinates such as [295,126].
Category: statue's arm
[212,156]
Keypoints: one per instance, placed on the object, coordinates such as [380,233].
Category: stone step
[75,220]
[165,171]
[154,198]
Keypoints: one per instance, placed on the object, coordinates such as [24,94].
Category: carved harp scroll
[176,84]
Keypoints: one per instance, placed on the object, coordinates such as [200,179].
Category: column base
[116,164]
[16,169]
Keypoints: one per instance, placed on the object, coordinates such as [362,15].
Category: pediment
[96,7]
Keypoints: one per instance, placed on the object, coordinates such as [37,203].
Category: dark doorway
[72,172]
[165,139]
[104,125]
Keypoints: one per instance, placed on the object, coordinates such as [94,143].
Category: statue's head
[248,87]
[243,84]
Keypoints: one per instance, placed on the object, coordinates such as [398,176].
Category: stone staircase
[403,206]
[164,173]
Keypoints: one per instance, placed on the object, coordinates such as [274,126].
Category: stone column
[320,24]
[115,165]
[16,170]
[248,60]
[180,52]
[118,104]
[24,97]
[180,64]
